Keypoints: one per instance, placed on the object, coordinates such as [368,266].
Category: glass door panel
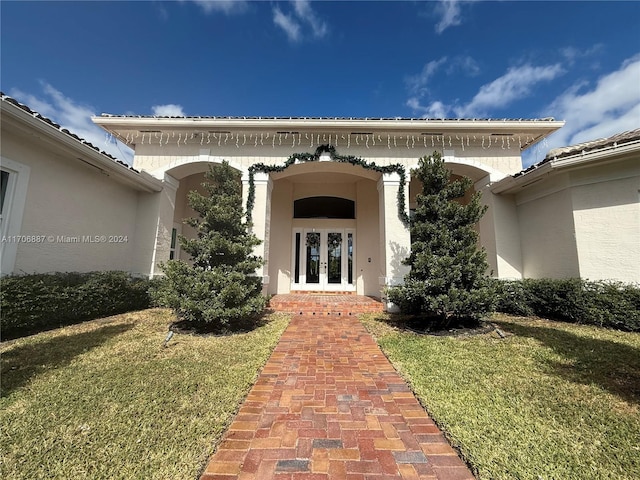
[334,257]
[350,258]
[313,257]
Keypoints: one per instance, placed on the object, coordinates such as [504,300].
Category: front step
[325,305]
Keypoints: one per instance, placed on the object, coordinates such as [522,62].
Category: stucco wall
[547,236]
[66,200]
[153,158]
[280,244]
[472,160]
[368,261]
[584,222]
[183,210]
[607,220]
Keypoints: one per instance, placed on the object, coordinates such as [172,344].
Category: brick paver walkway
[329,405]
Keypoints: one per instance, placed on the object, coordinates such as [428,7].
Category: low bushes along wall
[33,303]
[607,304]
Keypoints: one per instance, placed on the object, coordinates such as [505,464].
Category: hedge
[33,303]
[604,303]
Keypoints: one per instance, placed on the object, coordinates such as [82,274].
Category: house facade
[330,198]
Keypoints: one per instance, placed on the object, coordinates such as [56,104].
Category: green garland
[314,157]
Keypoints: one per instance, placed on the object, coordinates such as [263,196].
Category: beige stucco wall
[547,236]
[280,244]
[155,158]
[183,210]
[607,221]
[500,234]
[66,200]
[368,261]
[584,222]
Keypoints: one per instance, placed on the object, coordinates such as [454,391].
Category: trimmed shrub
[33,303]
[604,303]
[512,297]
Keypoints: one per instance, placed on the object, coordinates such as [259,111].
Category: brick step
[325,305]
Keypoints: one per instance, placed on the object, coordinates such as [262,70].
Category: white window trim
[14,204]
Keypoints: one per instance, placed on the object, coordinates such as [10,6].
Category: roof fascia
[537,128]
[79,150]
[610,154]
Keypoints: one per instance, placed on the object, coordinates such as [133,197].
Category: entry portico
[329,198]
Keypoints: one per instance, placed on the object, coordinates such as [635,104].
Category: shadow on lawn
[22,363]
[243,325]
[610,365]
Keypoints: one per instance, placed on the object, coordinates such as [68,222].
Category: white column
[162,205]
[395,239]
[260,218]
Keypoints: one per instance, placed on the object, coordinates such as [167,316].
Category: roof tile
[39,116]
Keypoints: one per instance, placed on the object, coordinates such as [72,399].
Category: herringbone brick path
[329,405]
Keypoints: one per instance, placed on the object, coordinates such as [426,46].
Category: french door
[324,259]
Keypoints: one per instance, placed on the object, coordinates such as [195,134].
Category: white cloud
[418,83]
[305,13]
[434,110]
[74,117]
[292,24]
[287,24]
[228,7]
[515,84]
[465,64]
[168,110]
[571,54]
[610,106]
[449,11]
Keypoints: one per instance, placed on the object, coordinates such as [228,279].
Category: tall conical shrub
[447,282]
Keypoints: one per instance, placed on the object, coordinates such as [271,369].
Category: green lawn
[104,400]
[550,401]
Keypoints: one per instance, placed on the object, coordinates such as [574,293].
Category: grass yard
[550,401]
[104,400]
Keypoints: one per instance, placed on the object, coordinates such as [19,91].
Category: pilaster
[260,218]
[395,239]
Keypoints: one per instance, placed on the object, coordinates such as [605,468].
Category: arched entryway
[324,230]
[190,177]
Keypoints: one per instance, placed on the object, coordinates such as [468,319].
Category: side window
[4,186]
[174,237]
[174,250]
[14,182]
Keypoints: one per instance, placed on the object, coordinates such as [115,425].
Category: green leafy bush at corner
[33,303]
[603,303]
[512,297]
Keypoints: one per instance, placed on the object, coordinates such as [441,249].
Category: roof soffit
[133,130]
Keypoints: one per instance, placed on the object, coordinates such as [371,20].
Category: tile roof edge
[368,119]
[12,101]
[618,139]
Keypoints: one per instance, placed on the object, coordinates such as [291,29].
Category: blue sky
[575,61]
